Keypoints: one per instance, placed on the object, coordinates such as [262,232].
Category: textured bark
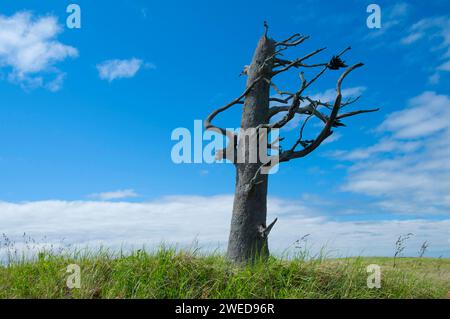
[246,241]
[249,231]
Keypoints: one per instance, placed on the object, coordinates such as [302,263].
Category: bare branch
[291,111]
[279,91]
[305,84]
[293,40]
[271,57]
[294,108]
[356,113]
[308,110]
[209,126]
[296,63]
[290,38]
[265,231]
[300,139]
[275,99]
[326,131]
[329,105]
[275,145]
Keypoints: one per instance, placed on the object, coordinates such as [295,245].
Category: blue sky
[87,121]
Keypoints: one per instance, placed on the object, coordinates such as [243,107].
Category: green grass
[168,273]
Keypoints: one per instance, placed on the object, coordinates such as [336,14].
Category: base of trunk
[248,241]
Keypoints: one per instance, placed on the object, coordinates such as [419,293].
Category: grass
[168,273]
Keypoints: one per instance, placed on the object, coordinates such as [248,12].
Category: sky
[87,115]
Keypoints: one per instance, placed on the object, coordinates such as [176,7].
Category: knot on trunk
[264,231]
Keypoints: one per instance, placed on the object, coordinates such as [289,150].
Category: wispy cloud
[436,31]
[408,169]
[29,48]
[333,138]
[444,66]
[435,28]
[330,94]
[111,70]
[386,145]
[425,115]
[119,194]
[183,219]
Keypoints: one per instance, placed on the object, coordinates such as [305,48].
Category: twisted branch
[326,131]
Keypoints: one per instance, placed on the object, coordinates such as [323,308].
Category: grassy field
[171,274]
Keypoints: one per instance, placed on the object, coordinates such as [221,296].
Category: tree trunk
[246,242]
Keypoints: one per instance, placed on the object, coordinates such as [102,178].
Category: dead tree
[249,231]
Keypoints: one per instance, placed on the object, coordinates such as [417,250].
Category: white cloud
[411,38]
[399,10]
[437,31]
[336,136]
[434,78]
[116,69]
[183,219]
[30,49]
[409,168]
[436,27]
[384,146]
[426,114]
[56,84]
[119,194]
[444,66]
[330,94]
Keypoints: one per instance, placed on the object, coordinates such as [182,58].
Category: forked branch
[208,122]
[326,130]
